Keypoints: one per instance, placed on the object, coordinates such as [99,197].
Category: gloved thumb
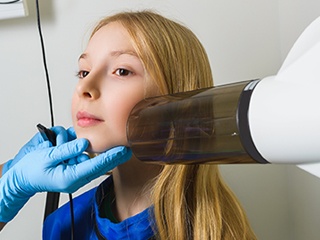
[68,150]
[99,165]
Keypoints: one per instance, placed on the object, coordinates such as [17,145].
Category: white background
[244,39]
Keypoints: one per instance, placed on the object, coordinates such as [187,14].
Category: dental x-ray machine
[273,120]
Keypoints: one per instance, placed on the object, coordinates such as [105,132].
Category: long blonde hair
[190,201]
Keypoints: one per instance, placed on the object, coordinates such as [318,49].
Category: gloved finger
[34,141]
[97,166]
[78,159]
[84,172]
[32,144]
[6,166]
[39,146]
[71,134]
[61,134]
[68,150]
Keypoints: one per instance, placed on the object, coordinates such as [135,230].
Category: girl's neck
[132,187]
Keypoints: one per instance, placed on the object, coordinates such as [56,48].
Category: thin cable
[10,2]
[50,101]
[72,216]
[45,63]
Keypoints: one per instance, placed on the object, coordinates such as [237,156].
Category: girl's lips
[85,119]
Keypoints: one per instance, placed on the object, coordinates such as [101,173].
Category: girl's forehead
[112,36]
[110,29]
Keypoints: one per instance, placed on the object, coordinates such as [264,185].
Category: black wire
[45,63]
[72,215]
[50,101]
[10,2]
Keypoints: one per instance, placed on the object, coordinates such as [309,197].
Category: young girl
[131,56]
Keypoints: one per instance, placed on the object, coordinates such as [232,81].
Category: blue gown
[90,225]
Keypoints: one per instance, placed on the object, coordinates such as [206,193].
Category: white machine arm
[284,112]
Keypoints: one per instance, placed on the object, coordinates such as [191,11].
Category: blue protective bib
[88,223]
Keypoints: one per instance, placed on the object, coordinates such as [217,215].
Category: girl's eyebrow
[113,53]
[83,56]
[120,52]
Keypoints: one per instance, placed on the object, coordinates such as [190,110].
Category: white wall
[244,39]
[303,188]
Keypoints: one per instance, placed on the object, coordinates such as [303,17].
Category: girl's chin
[99,143]
[100,148]
[97,149]
[96,144]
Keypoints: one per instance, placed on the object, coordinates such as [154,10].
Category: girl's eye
[82,74]
[122,72]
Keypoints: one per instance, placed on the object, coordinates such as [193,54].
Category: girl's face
[111,82]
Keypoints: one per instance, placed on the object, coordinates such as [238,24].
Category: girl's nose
[88,88]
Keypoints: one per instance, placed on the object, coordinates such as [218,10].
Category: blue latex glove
[46,169]
[62,136]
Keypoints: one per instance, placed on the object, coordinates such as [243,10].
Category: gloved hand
[62,136]
[48,169]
